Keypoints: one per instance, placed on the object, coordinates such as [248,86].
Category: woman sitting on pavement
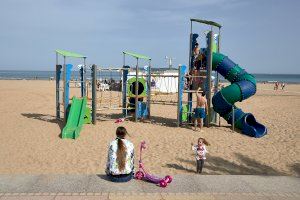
[120,161]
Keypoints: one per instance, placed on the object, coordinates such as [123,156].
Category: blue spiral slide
[243,86]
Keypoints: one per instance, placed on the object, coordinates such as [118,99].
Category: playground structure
[124,93]
[243,85]
[123,96]
[77,114]
[202,76]
[108,88]
[137,87]
[131,89]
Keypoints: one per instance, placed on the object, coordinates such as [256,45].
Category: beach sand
[30,140]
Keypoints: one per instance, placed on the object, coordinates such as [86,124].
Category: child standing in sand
[200,151]
[200,110]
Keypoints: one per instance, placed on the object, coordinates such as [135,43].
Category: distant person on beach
[200,153]
[200,110]
[276,85]
[98,85]
[282,85]
[120,160]
[153,83]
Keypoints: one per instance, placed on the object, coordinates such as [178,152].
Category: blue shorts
[199,113]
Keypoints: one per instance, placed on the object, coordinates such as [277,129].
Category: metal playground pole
[136,90]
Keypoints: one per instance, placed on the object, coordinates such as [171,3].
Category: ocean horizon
[46,75]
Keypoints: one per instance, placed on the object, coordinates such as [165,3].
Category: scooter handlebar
[143,145]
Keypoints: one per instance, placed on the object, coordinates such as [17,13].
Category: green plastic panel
[251,78]
[88,116]
[232,75]
[248,77]
[232,93]
[239,123]
[75,118]
[69,54]
[207,22]
[137,55]
[131,81]
[226,116]
[184,115]
[214,47]
[217,58]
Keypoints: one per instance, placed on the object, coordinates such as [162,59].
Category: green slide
[78,115]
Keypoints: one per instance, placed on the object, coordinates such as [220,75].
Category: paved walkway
[91,187]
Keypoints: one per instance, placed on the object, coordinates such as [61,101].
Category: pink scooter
[142,174]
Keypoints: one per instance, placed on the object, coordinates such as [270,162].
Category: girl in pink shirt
[200,151]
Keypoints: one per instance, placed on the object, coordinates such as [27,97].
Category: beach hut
[162,80]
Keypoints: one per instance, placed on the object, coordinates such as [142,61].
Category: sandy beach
[30,140]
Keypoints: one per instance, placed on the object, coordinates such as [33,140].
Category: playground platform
[90,187]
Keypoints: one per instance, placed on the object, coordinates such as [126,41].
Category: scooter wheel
[168,179]
[163,183]
[139,175]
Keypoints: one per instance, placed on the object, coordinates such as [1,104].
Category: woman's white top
[112,164]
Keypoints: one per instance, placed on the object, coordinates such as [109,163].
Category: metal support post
[94,93]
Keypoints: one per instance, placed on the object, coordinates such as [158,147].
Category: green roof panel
[207,22]
[69,54]
[137,55]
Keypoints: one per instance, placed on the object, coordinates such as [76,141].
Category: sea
[46,75]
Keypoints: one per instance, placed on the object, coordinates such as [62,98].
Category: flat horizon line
[29,70]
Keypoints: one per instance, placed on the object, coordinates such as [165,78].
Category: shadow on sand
[110,116]
[156,120]
[45,118]
[161,121]
[217,165]
[296,168]
[179,167]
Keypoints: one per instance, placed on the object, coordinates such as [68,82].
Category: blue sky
[260,35]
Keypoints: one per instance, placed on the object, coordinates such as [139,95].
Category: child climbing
[197,56]
[196,51]
[200,152]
